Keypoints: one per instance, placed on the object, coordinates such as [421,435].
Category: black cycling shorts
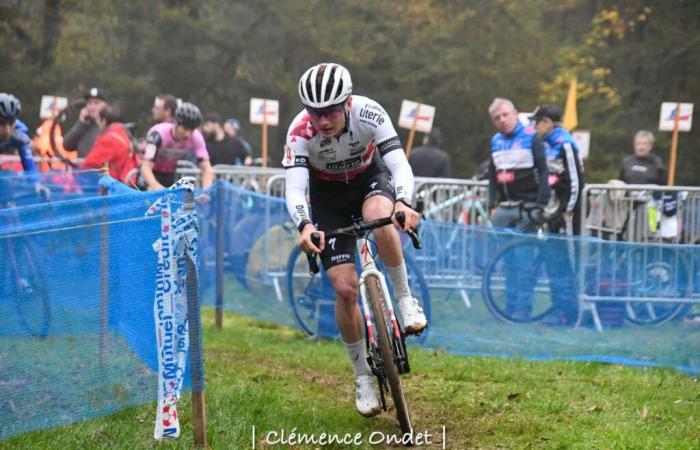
[337,204]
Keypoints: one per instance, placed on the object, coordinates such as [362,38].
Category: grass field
[274,378]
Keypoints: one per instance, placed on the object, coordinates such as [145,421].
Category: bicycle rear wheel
[515,285]
[30,292]
[386,349]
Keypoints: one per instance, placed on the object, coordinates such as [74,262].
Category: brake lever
[311,257]
[415,240]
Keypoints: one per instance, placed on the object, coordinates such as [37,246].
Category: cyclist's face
[6,129]
[330,121]
[181,133]
[642,146]
[505,118]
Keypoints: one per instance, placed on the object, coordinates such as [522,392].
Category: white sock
[358,357]
[399,280]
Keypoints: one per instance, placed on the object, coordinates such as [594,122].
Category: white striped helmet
[324,85]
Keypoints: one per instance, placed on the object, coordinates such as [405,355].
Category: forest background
[628,57]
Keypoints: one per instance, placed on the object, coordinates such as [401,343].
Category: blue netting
[57,363]
[492,293]
[530,307]
[40,187]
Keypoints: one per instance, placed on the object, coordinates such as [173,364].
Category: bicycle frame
[369,269]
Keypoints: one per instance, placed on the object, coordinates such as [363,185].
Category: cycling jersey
[164,151]
[369,138]
[20,143]
[564,167]
[518,167]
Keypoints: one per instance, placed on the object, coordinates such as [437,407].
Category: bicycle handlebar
[357,229]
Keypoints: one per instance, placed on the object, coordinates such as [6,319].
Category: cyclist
[14,134]
[345,146]
[168,142]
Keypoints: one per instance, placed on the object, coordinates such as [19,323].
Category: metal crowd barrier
[655,273]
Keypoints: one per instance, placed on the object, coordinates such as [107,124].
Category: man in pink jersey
[167,143]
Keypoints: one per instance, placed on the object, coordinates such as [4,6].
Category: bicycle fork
[369,272]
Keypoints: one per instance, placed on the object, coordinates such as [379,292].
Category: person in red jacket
[112,146]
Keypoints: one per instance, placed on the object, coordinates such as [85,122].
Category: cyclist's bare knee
[377,207]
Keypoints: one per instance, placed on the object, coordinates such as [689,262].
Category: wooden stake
[264,134]
[674,145]
[412,133]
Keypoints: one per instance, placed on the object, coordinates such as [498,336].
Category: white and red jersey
[368,134]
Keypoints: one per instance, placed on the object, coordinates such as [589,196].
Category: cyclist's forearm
[401,173]
[296,179]
[148,176]
[207,174]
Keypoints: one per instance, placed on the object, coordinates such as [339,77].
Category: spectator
[429,160]
[565,173]
[643,167]
[566,183]
[83,134]
[167,143]
[232,127]
[112,146]
[164,107]
[222,148]
[518,168]
[518,182]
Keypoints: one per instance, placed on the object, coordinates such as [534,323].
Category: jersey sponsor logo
[327,154]
[325,142]
[505,177]
[638,168]
[371,116]
[389,145]
[300,213]
[340,258]
[331,242]
[373,184]
[351,163]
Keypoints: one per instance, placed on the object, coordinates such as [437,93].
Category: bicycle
[312,299]
[384,338]
[641,280]
[24,282]
[520,263]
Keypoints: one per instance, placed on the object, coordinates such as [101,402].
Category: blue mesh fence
[57,363]
[492,292]
[41,187]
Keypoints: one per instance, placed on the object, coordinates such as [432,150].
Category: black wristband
[303,224]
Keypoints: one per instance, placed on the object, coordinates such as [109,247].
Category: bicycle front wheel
[515,285]
[311,298]
[386,349]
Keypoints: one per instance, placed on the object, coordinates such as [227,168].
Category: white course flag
[421,115]
[261,108]
[178,239]
[50,105]
[668,116]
